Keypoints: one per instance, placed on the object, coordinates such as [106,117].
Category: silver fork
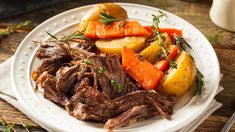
[229,124]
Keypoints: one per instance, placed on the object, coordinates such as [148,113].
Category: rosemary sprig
[118,86]
[199,83]
[70,37]
[75,35]
[13,28]
[107,18]
[181,43]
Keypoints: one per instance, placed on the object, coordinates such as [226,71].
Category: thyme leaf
[87,61]
[101,70]
[199,83]
[156,19]
[118,86]
[106,18]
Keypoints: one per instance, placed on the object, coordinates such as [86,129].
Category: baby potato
[114,46]
[179,80]
[93,14]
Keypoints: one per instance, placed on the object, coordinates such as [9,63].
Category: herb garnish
[157,35]
[118,86]
[10,127]
[13,28]
[181,42]
[87,61]
[199,83]
[107,18]
[70,37]
[101,70]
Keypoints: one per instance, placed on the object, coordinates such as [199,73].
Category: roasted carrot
[133,28]
[139,70]
[149,29]
[173,51]
[115,30]
[163,64]
[91,30]
[169,31]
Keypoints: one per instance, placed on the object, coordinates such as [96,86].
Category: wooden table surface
[196,13]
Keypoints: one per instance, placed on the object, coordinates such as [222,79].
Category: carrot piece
[163,64]
[173,51]
[114,30]
[146,74]
[100,30]
[149,29]
[171,32]
[129,59]
[133,28]
[91,30]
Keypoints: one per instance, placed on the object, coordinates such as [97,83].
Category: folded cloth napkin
[7,94]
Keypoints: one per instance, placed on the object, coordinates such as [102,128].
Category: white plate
[56,118]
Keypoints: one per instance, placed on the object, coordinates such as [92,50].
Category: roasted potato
[179,80]
[114,46]
[93,15]
[151,52]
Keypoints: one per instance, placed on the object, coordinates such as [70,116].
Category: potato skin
[114,46]
[93,14]
[179,80]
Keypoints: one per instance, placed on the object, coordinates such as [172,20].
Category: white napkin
[7,94]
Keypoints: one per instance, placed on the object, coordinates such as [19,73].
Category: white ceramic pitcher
[222,13]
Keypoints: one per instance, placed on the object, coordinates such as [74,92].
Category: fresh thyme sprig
[199,83]
[181,43]
[156,19]
[107,18]
[118,86]
[164,54]
[10,127]
[70,37]
[157,35]
[13,28]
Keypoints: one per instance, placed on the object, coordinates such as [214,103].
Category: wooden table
[196,13]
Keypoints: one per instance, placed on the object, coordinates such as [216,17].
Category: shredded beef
[100,90]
